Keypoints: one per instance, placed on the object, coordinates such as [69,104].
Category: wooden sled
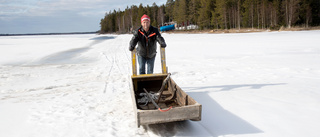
[174,104]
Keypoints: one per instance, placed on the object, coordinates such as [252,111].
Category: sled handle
[163,61]
[134,62]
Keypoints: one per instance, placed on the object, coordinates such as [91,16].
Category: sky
[55,16]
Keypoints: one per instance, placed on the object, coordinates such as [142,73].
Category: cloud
[51,7]
[18,8]
[41,15]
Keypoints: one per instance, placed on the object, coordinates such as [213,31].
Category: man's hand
[131,48]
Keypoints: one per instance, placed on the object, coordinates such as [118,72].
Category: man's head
[145,22]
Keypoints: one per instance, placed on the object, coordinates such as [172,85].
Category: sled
[158,99]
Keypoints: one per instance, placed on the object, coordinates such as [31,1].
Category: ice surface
[251,85]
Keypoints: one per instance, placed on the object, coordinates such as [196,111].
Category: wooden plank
[200,113]
[149,76]
[175,114]
[134,62]
[181,96]
[163,60]
[134,102]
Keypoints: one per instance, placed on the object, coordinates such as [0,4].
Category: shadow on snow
[71,56]
[215,119]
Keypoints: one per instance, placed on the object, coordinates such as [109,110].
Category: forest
[217,14]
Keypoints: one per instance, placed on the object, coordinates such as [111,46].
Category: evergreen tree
[118,20]
[305,13]
[275,13]
[169,10]
[183,13]
[205,13]
[221,14]
[154,14]
[248,13]
[315,4]
[175,10]
[148,11]
[141,11]
[134,14]
[193,11]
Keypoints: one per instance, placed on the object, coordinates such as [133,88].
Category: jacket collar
[146,32]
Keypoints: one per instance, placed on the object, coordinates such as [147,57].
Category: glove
[131,48]
[163,45]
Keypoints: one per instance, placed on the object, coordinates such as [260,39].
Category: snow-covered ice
[250,85]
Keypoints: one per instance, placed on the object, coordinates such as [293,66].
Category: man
[146,37]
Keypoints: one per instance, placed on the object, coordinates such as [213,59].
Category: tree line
[217,14]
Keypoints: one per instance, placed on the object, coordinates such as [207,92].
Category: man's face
[145,24]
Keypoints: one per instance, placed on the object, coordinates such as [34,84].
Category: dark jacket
[147,46]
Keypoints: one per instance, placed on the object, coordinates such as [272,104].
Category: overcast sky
[47,16]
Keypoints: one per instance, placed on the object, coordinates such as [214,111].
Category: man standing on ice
[146,37]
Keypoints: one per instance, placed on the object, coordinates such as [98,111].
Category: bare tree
[239,3]
[291,11]
[161,15]
[118,19]
[308,15]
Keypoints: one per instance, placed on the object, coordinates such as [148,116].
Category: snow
[249,84]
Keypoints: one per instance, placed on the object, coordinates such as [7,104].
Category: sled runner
[158,99]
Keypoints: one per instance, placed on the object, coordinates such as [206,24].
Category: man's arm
[160,40]
[133,41]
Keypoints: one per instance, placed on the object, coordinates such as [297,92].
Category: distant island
[68,33]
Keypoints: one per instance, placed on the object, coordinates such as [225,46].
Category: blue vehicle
[166,28]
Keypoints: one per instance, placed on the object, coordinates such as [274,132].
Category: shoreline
[242,30]
[33,34]
[208,31]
